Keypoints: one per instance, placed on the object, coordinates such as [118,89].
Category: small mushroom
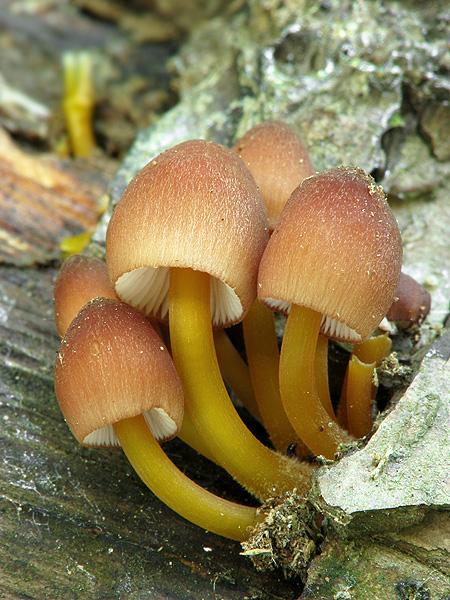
[278,160]
[411,305]
[83,278]
[360,385]
[333,262]
[110,371]
[80,279]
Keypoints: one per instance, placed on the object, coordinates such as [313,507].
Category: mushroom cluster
[205,237]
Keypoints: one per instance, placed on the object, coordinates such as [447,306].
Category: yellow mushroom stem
[298,387]
[321,368]
[78,103]
[75,244]
[180,493]
[360,386]
[235,371]
[190,436]
[359,389]
[341,413]
[374,349]
[263,360]
[261,471]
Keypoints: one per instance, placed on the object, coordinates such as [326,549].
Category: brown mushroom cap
[197,206]
[411,304]
[278,160]
[112,365]
[80,279]
[337,249]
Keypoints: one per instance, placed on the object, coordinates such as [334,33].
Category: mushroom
[411,305]
[278,161]
[83,278]
[111,369]
[333,262]
[263,356]
[194,216]
[80,279]
[360,385]
[79,100]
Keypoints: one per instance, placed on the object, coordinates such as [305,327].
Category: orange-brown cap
[411,304]
[196,205]
[278,160]
[112,365]
[337,249]
[80,279]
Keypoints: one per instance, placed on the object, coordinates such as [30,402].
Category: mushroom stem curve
[360,394]
[298,388]
[183,495]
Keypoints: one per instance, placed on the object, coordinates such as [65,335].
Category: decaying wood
[41,203]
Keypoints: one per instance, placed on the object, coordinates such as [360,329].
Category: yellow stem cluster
[263,472]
